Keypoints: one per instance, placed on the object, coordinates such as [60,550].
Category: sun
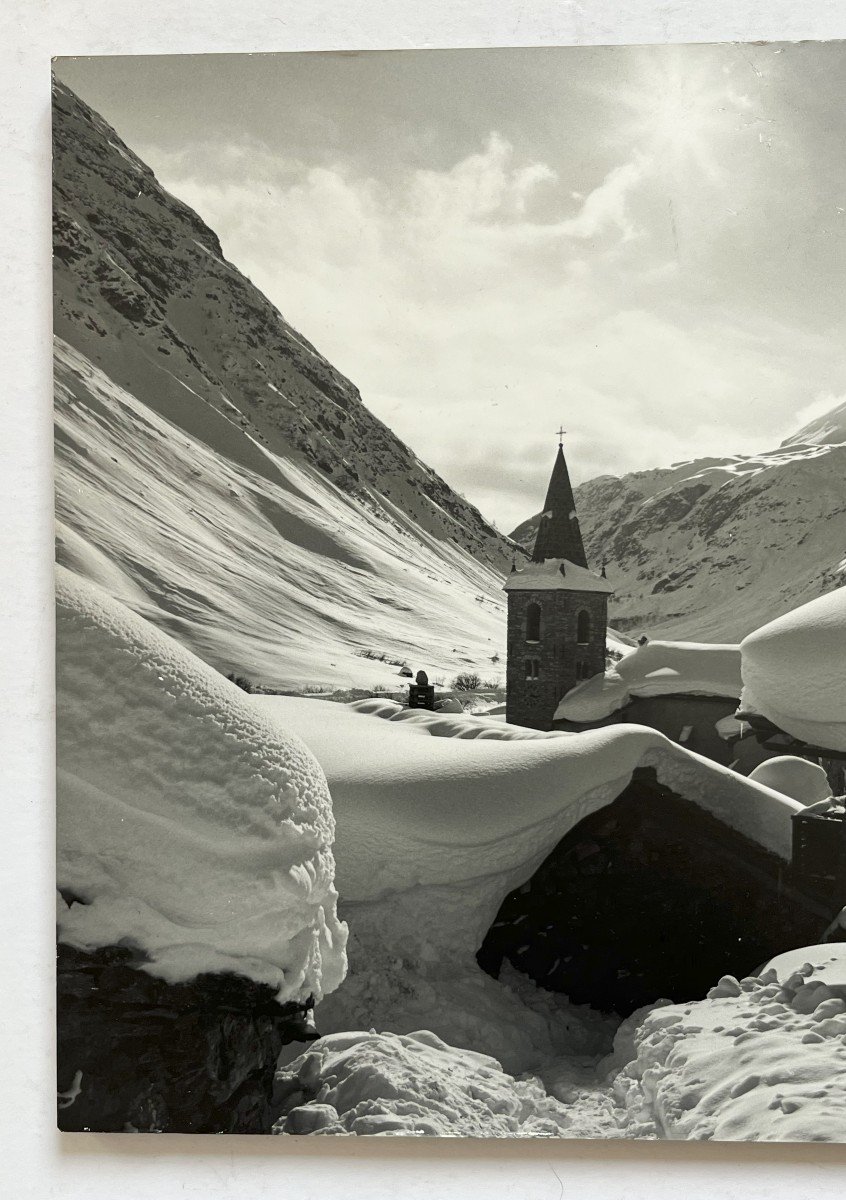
[680,116]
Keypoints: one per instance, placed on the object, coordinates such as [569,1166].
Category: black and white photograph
[450,498]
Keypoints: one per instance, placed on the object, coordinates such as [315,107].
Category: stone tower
[557,612]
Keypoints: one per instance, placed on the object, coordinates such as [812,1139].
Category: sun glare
[680,116]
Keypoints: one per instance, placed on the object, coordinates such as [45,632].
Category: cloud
[607,204]
[478,305]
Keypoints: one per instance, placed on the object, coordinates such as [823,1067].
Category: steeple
[558,534]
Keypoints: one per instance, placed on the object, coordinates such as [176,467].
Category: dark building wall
[562,661]
[671,714]
[651,897]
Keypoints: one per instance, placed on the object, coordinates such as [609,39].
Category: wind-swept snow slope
[218,475]
[189,825]
[712,549]
[794,671]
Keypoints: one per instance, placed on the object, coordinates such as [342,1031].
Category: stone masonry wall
[532,702]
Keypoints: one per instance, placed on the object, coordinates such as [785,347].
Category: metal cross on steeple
[561,433]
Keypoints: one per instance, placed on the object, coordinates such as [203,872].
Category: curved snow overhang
[793,672]
[446,814]
[657,668]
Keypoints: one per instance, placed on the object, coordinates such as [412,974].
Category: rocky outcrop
[138,1054]
[141,285]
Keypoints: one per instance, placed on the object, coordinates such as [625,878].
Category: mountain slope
[830,428]
[712,549]
[218,474]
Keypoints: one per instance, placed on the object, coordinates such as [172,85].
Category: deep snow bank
[793,671]
[761,1059]
[438,818]
[655,669]
[392,1085]
[467,809]
[805,782]
[189,824]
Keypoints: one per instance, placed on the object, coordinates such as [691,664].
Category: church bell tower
[557,612]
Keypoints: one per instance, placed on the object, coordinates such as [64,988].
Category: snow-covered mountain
[713,548]
[216,473]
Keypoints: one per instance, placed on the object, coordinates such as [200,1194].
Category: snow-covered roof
[440,816]
[189,825]
[656,669]
[805,782]
[794,671]
[548,576]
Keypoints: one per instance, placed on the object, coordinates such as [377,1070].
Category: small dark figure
[642,640]
[421,694]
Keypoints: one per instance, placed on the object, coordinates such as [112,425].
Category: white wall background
[34,1160]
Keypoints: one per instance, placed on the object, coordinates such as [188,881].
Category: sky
[644,244]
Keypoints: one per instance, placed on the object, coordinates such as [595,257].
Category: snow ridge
[197,429]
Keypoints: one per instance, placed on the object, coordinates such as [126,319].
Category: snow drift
[793,671]
[446,814]
[417,1085]
[761,1059]
[655,669]
[438,818]
[189,825]
[219,476]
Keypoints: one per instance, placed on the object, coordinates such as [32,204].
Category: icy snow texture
[189,824]
[216,473]
[793,671]
[795,777]
[655,669]
[439,817]
[762,1059]
[391,1085]
[446,814]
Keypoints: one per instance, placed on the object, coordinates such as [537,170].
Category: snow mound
[329,589]
[390,1085]
[761,1059]
[803,781]
[793,671]
[655,669]
[434,828]
[524,1027]
[446,722]
[447,825]
[828,962]
[189,825]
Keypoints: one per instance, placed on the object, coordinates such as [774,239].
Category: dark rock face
[651,898]
[137,1054]
[138,272]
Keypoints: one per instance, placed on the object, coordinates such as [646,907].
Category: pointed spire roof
[559,535]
